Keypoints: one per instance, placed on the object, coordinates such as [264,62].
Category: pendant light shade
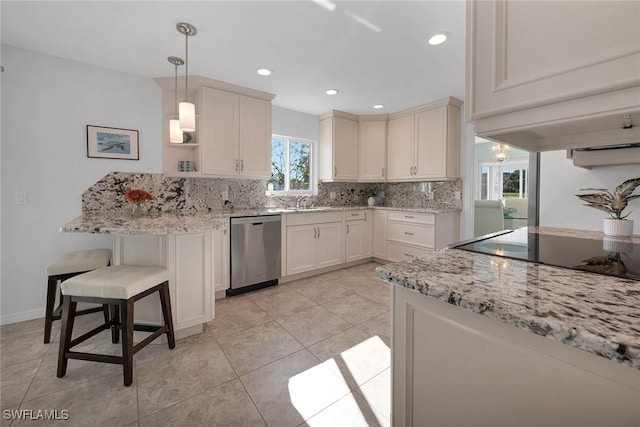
[175,133]
[187,110]
[187,116]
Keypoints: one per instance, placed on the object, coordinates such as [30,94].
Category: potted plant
[614,204]
[370,193]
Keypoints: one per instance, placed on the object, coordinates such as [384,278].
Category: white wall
[46,104]
[293,123]
[560,181]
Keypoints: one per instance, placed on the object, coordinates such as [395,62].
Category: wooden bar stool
[118,286]
[69,265]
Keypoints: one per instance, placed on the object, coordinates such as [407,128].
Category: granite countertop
[593,312]
[166,223]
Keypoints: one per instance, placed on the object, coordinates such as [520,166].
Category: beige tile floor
[313,352]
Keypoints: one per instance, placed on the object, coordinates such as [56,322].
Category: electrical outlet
[457,195]
[332,194]
[430,195]
[225,195]
[20,198]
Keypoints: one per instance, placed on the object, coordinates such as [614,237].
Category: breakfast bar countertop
[155,224]
[593,312]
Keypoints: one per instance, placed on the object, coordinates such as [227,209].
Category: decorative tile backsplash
[201,194]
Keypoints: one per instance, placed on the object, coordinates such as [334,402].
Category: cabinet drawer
[398,252]
[355,215]
[313,218]
[414,234]
[417,217]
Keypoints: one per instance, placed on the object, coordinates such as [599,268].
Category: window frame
[313,190]
[495,174]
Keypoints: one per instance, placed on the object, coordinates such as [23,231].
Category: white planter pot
[618,227]
[371,201]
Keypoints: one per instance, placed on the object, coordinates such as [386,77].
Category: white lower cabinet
[187,256]
[379,233]
[452,367]
[415,234]
[357,235]
[314,240]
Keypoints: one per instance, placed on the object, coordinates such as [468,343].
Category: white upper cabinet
[233,130]
[400,148]
[338,147]
[219,133]
[424,143]
[372,132]
[255,137]
[235,134]
[552,75]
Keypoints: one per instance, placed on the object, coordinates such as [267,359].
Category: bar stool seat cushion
[78,261]
[117,281]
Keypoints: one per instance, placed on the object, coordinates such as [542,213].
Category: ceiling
[373,52]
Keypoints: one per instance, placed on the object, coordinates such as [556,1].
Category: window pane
[278,164]
[484,182]
[510,183]
[299,165]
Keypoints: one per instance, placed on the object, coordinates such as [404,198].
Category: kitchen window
[292,169]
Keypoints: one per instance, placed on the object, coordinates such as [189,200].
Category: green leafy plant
[612,203]
[371,191]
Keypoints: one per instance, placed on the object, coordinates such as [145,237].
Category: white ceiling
[371,51]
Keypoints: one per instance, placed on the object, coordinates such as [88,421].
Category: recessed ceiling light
[331,92]
[264,71]
[437,39]
[378,106]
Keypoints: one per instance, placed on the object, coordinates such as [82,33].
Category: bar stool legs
[52,314]
[122,315]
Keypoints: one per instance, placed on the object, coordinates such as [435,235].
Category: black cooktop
[610,257]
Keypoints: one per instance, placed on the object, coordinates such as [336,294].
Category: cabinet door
[345,149]
[379,234]
[220,259]
[430,143]
[219,133]
[255,137]
[193,296]
[330,244]
[373,150]
[355,240]
[400,148]
[301,248]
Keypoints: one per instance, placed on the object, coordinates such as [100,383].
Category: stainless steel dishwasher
[255,253]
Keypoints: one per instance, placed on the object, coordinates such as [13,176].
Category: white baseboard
[36,313]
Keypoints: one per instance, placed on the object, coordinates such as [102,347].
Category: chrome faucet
[299,198]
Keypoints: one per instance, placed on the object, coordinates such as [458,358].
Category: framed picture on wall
[112,143]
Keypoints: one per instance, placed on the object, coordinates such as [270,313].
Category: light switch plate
[225,195]
[20,198]
[457,195]
[332,194]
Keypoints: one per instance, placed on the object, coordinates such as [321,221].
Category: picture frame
[112,143]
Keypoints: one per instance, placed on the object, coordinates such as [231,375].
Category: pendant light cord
[175,92]
[186,67]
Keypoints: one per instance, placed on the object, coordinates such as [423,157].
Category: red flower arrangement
[137,196]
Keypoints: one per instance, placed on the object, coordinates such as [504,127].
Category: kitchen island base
[187,256]
[457,368]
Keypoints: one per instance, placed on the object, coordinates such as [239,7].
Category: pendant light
[175,133]
[187,110]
